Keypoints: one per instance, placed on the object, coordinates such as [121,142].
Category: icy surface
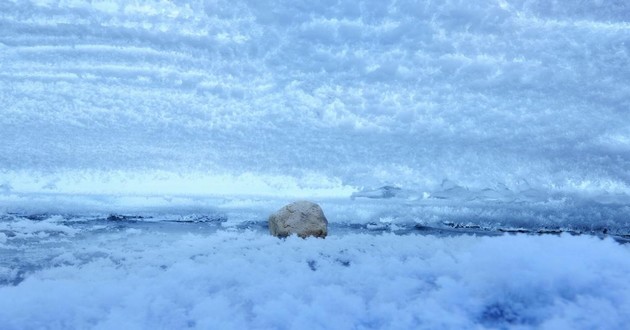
[301,98]
[144,143]
[150,278]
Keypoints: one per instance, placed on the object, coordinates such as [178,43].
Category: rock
[302,218]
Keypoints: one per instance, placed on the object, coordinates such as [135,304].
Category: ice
[454,147]
[251,280]
[382,192]
[201,97]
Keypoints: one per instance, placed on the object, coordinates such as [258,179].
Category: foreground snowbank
[229,279]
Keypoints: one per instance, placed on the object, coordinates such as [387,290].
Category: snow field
[142,279]
[488,114]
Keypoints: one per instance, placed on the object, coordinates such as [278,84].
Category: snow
[143,145]
[200,97]
[247,279]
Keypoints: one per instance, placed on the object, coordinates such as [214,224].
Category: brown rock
[302,218]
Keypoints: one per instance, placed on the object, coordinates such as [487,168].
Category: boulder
[302,218]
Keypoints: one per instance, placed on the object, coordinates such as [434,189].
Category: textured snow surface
[144,143]
[136,278]
[303,97]
[509,105]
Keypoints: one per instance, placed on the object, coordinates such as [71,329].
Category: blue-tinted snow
[492,102]
[334,95]
[144,143]
[145,278]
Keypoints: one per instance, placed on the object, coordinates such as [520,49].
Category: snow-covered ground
[144,143]
[139,276]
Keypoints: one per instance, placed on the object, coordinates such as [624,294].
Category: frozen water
[143,144]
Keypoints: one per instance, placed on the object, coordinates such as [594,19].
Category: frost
[242,99]
[143,144]
[372,281]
